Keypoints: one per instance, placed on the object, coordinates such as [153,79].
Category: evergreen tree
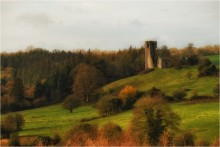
[18,89]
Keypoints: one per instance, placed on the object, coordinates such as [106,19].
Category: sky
[107,25]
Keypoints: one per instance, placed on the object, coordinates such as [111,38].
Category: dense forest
[36,75]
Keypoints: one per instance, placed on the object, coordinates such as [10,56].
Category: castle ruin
[151,58]
[150,54]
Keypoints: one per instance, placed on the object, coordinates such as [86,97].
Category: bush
[109,105]
[179,94]
[81,133]
[56,139]
[43,141]
[154,92]
[129,96]
[184,139]
[11,123]
[14,141]
[206,68]
[167,138]
[152,117]
[112,132]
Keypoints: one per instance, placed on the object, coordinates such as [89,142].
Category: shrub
[14,141]
[43,141]
[56,139]
[81,133]
[11,123]
[154,92]
[193,59]
[167,138]
[112,132]
[184,139]
[206,68]
[128,91]
[152,117]
[109,105]
[179,94]
[128,95]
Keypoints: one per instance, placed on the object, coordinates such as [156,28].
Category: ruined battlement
[150,54]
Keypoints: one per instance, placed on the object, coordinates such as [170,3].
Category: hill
[201,118]
[168,80]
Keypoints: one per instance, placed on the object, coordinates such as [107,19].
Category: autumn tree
[12,122]
[152,117]
[70,103]
[128,95]
[86,80]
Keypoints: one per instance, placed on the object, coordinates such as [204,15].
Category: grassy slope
[200,118]
[214,59]
[169,80]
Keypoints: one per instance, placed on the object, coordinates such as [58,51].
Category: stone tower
[150,54]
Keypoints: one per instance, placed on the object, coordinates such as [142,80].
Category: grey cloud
[137,22]
[35,19]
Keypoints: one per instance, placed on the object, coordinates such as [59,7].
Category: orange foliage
[4,142]
[128,91]
[29,91]
[100,140]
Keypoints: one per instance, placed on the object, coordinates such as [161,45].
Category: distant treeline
[36,64]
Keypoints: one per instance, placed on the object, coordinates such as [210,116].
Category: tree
[128,95]
[112,132]
[164,52]
[11,123]
[206,68]
[151,118]
[42,89]
[86,80]
[18,89]
[70,103]
[109,105]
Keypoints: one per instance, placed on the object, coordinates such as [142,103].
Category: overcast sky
[107,25]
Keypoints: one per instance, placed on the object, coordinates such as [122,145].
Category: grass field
[200,118]
[214,59]
[169,80]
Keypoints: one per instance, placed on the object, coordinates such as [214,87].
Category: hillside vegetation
[201,118]
[169,80]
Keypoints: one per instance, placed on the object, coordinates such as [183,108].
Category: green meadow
[214,59]
[202,119]
[169,80]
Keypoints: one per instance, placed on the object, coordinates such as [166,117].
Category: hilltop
[169,80]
